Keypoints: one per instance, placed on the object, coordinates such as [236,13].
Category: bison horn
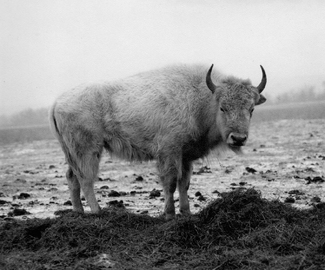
[261,86]
[209,82]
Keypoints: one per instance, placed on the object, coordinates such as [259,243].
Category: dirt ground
[284,159]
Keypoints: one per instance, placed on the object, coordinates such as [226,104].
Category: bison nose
[237,139]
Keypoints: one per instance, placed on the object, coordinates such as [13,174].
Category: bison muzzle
[174,115]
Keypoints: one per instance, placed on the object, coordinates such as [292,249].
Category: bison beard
[174,115]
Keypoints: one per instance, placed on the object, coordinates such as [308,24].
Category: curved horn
[209,82]
[262,84]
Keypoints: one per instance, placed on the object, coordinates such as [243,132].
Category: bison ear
[261,100]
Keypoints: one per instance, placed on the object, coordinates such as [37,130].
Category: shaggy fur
[168,114]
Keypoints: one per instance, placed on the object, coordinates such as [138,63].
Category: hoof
[78,210]
[169,217]
[185,213]
[97,211]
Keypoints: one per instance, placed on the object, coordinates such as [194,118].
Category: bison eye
[222,109]
[251,111]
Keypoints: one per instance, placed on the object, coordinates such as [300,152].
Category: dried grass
[238,231]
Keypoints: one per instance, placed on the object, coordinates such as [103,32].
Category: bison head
[236,100]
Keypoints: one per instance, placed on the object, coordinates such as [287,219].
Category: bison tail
[53,123]
[56,129]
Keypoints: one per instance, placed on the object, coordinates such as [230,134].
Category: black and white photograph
[162,134]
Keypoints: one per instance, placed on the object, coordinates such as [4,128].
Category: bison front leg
[168,178]
[183,185]
[169,185]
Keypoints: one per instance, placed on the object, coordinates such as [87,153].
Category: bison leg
[74,188]
[88,167]
[169,185]
[168,178]
[183,185]
[87,186]
[82,174]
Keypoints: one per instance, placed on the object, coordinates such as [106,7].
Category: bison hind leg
[82,173]
[88,166]
[74,188]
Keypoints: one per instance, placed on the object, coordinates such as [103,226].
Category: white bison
[174,115]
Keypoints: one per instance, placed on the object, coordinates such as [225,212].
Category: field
[261,210]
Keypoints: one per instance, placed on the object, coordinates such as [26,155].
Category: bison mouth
[235,148]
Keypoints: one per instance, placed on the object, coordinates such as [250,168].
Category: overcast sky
[49,46]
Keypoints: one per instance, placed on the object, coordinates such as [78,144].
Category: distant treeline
[304,94]
[37,117]
[27,117]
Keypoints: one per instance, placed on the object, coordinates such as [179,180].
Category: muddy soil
[284,159]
